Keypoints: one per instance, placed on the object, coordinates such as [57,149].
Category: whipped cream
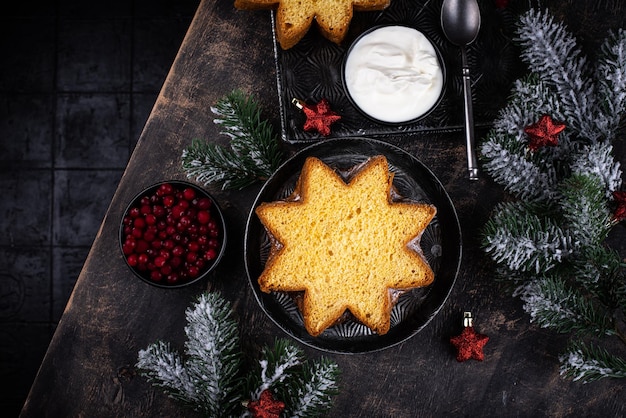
[393,74]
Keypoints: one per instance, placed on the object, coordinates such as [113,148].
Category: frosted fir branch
[530,99]
[314,391]
[600,270]
[589,363]
[552,304]
[523,237]
[611,76]
[213,349]
[512,170]
[208,381]
[211,163]
[276,365]
[552,53]
[165,369]
[251,137]
[253,154]
[584,209]
[597,159]
[210,378]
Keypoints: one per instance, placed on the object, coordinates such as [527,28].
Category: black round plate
[440,243]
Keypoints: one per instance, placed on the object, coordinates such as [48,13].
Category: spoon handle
[472,164]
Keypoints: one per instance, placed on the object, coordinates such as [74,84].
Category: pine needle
[254,153]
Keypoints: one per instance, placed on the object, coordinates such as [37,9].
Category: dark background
[77,83]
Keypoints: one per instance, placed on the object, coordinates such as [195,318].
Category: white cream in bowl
[393,74]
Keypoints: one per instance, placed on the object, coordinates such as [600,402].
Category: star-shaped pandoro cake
[346,245]
[295,17]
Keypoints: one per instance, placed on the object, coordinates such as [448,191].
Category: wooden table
[88,369]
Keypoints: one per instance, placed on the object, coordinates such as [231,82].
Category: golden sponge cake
[346,245]
[295,17]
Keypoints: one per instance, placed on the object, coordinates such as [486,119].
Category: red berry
[160,261]
[204,203]
[210,254]
[158,210]
[156,275]
[204,216]
[129,246]
[165,189]
[132,260]
[193,271]
[168,201]
[189,193]
[177,211]
[142,246]
[172,278]
[139,223]
[175,262]
[191,257]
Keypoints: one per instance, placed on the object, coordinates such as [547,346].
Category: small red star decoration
[469,344]
[319,117]
[543,133]
[266,406]
[620,212]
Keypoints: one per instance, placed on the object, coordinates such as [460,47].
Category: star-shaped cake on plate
[346,245]
[294,18]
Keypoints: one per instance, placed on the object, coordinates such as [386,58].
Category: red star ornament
[319,117]
[470,343]
[543,133]
[620,211]
[266,406]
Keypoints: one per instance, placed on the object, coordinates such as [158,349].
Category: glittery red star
[469,344]
[543,133]
[319,117]
[620,211]
[266,406]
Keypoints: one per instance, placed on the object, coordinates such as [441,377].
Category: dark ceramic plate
[440,243]
[312,70]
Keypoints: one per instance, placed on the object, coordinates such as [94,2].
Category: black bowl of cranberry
[172,234]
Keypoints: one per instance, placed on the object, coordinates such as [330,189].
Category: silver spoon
[460,21]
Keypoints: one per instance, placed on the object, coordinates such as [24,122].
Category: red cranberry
[189,193]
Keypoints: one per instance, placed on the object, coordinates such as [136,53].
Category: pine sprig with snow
[588,363]
[524,238]
[549,241]
[551,52]
[553,304]
[207,378]
[213,378]
[314,389]
[254,152]
[306,387]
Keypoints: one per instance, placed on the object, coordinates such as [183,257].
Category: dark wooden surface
[88,369]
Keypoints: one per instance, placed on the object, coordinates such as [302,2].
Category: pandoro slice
[346,245]
[294,18]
